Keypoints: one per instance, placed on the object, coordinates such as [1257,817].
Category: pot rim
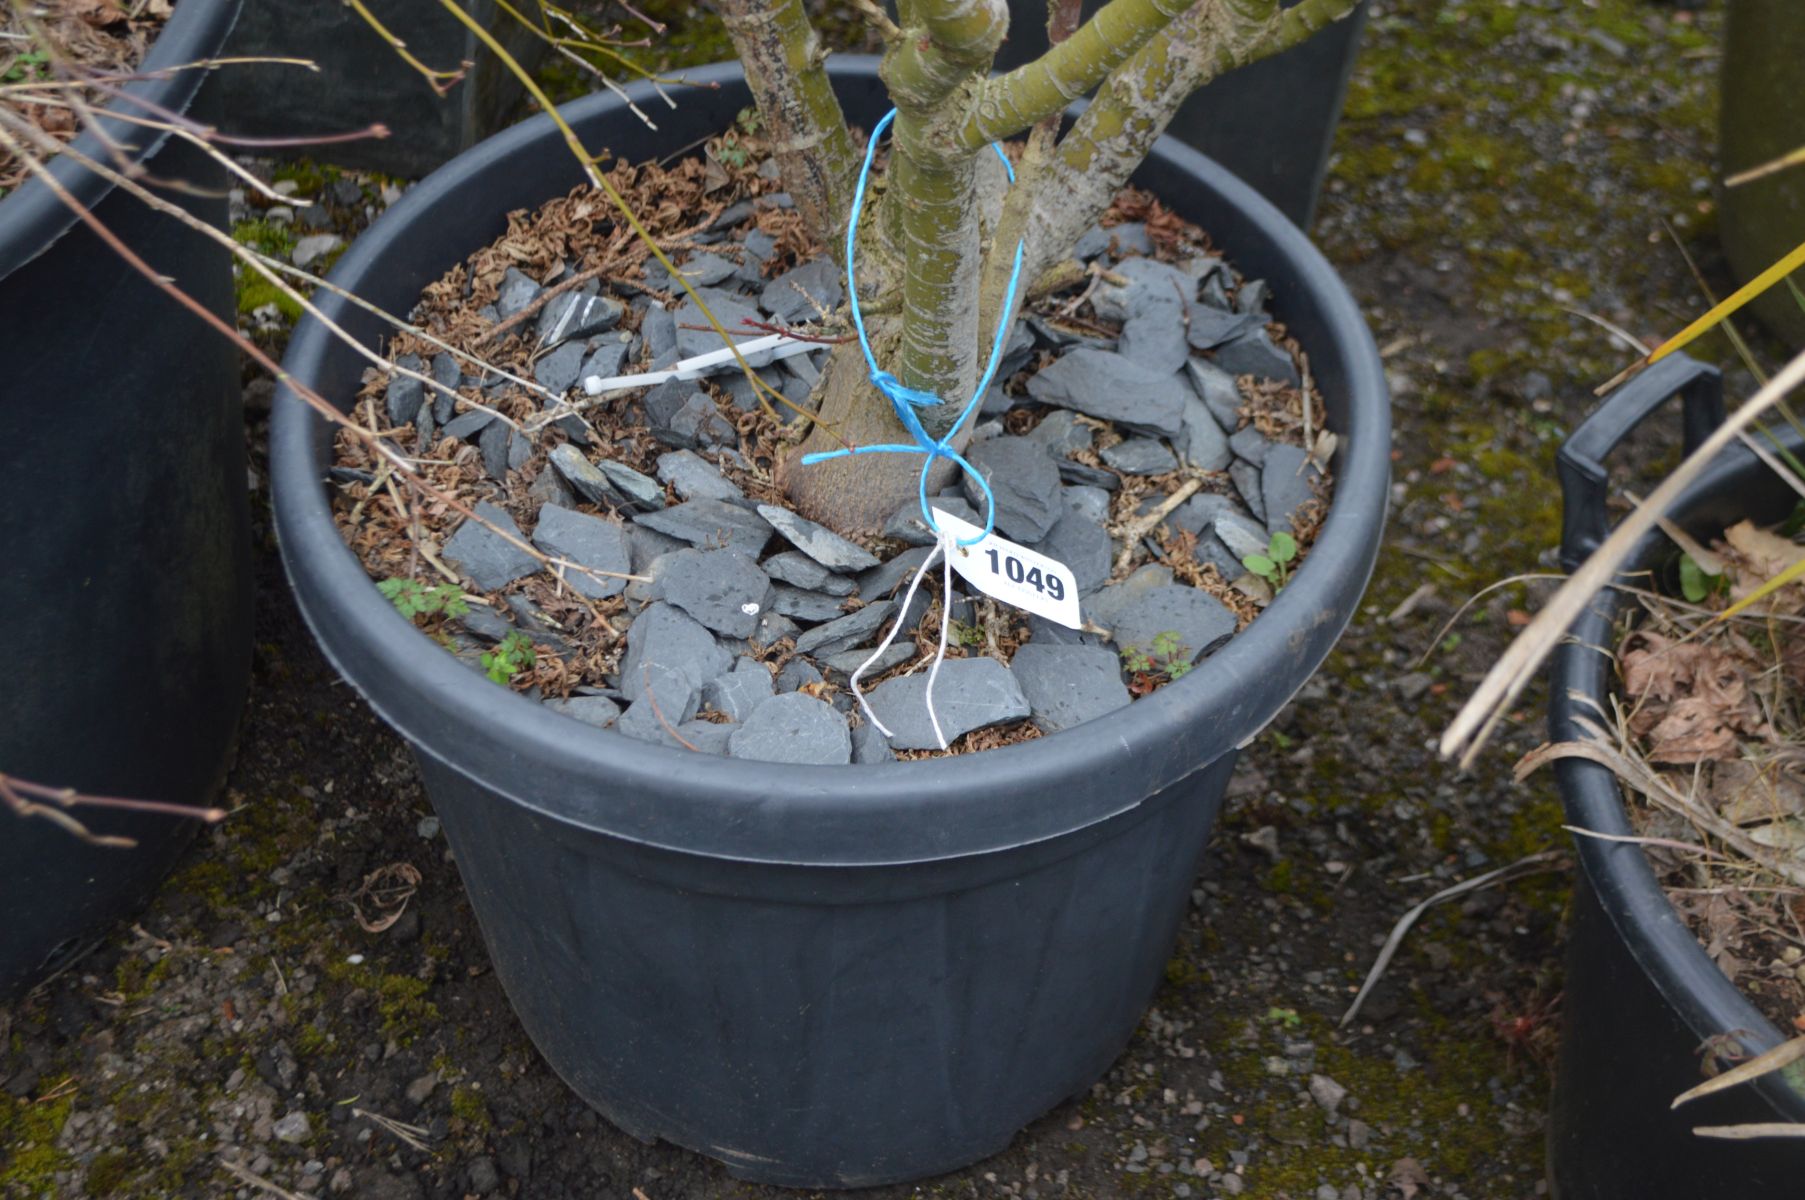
[825,815]
[33,219]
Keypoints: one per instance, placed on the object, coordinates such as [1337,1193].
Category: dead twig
[1545,860]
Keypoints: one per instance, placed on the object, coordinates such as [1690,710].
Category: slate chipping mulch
[1338,818]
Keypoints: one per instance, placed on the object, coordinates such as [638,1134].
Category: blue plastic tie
[906,400]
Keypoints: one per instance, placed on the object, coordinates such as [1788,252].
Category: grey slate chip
[659,329]
[1091,503]
[1250,445]
[557,371]
[1196,515]
[723,589]
[1025,482]
[701,270]
[793,728]
[489,561]
[607,355]
[773,627]
[892,575]
[970,693]
[1140,456]
[792,297]
[1069,685]
[1203,443]
[667,699]
[799,570]
[1201,621]
[1253,353]
[1211,327]
[1083,545]
[1155,339]
[1285,484]
[1061,434]
[486,623]
[805,605]
[405,394]
[797,673]
[575,316]
[817,541]
[1252,296]
[1241,534]
[869,746]
[517,291]
[549,488]
[1111,387]
[697,423]
[639,490]
[707,737]
[1109,603]
[1218,391]
[465,424]
[694,478]
[648,545]
[1149,283]
[1080,474]
[729,309]
[848,661]
[844,633]
[593,710]
[711,524]
[908,525]
[739,691]
[581,474]
[663,636]
[589,541]
[1246,478]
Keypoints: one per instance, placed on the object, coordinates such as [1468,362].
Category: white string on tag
[941,545]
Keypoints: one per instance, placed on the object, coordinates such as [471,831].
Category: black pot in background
[1642,997]
[126,574]
[1271,123]
[823,976]
[362,79]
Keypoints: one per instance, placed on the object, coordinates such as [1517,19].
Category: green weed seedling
[1695,584]
[1274,566]
[411,599]
[1167,659]
[512,655]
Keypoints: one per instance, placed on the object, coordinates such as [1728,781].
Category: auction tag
[1013,574]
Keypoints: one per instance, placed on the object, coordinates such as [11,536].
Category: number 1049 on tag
[1013,574]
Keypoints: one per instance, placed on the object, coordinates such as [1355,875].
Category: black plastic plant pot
[822,976]
[1644,1003]
[124,516]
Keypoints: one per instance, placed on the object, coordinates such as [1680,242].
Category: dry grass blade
[1543,860]
[1467,733]
[1773,167]
[1747,1133]
[246,1175]
[412,1136]
[1783,1055]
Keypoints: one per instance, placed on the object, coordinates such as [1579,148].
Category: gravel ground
[246,1026]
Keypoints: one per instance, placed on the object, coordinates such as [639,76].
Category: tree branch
[945,43]
[783,61]
[1010,104]
[1138,101]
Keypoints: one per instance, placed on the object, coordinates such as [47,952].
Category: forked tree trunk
[934,290]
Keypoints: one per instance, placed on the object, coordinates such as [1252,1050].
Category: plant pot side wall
[123,510]
[1272,123]
[363,80]
[1641,996]
[1763,118]
[821,976]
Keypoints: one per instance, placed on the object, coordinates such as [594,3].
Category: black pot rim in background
[1583,675]
[848,815]
[34,217]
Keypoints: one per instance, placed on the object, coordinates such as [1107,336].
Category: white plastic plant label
[1013,574]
